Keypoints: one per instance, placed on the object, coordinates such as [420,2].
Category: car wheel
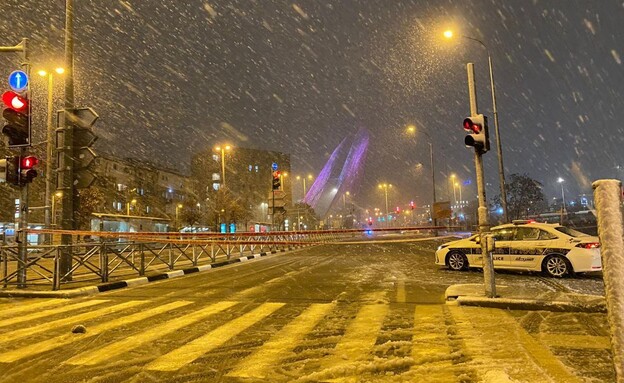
[557,266]
[457,261]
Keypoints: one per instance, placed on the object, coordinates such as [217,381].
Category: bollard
[607,199]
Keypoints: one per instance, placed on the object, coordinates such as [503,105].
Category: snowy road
[341,313]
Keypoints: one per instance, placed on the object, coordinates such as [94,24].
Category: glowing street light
[561,181]
[501,169]
[49,141]
[385,188]
[177,211]
[222,149]
[304,184]
[411,129]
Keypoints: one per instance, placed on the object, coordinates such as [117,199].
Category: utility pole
[22,225]
[66,151]
[484,226]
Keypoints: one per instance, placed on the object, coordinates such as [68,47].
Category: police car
[527,245]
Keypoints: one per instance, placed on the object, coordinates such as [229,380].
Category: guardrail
[113,255]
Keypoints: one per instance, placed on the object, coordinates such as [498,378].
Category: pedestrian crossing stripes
[315,341]
[27,331]
[193,350]
[102,354]
[61,340]
[281,344]
[40,314]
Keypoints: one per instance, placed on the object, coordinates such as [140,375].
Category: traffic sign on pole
[18,80]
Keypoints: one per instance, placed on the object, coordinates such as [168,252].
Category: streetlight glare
[42,73]
[448,34]
[411,128]
[560,180]
[60,70]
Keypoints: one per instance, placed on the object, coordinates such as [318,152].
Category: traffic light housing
[9,170]
[17,116]
[26,171]
[478,134]
[277,183]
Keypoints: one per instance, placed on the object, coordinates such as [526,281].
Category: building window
[251,167]
[256,168]
[216,157]
[216,176]
[121,187]
[148,210]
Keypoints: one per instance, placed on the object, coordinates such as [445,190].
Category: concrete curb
[90,290]
[514,298]
[530,305]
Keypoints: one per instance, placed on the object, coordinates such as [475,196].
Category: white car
[526,245]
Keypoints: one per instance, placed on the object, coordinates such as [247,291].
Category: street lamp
[453,183]
[304,184]
[412,129]
[177,210]
[49,132]
[222,149]
[58,194]
[561,180]
[385,188]
[499,151]
[128,205]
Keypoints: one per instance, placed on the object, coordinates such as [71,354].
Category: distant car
[526,245]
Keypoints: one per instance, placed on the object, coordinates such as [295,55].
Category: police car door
[526,248]
[503,237]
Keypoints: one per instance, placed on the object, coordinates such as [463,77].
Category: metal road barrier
[107,256]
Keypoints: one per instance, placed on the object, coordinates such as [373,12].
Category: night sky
[172,77]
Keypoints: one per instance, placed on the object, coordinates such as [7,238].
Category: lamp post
[412,129]
[49,132]
[499,151]
[133,201]
[385,188]
[454,191]
[561,180]
[177,210]
[304,184]
[57,194]
[222,149]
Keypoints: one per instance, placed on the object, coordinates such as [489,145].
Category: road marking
[259,364]
[24,332]
[430,340]
[400,294]
[198,347]
[10,312]
[41,314]
[65,339]
[357,342]
[114,349]
[502,347]
[575,341]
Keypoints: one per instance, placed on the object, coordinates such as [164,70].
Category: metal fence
[138,254]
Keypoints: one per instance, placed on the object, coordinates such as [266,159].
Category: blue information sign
[274,166]
[18,81]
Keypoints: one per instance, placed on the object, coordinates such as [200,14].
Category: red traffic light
[29,162]
[15,101]
[471,126]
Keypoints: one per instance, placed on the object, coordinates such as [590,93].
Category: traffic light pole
[484,226]
[21,233]
[66,160]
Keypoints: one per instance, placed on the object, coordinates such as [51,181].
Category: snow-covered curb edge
[530,304]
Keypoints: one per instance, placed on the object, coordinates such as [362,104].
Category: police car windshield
[571,232]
